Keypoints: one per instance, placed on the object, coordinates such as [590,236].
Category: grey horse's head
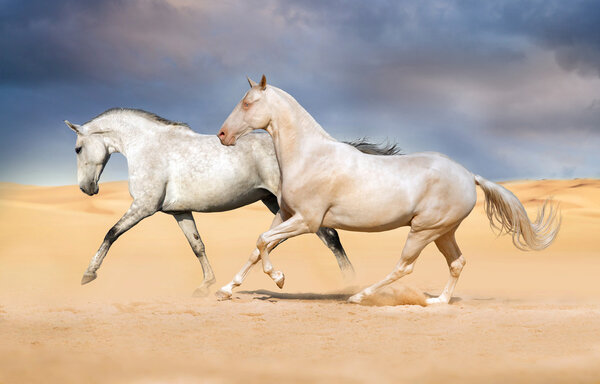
[92,156]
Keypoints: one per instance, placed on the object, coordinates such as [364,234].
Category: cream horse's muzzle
[225,137]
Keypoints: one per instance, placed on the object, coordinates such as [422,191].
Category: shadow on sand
[263,294]
[381,299]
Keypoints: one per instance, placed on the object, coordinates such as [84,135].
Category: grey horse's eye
[78,149]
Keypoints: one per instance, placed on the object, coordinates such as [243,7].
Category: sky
[509,89]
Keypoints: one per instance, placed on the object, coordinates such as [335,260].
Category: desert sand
[516,316]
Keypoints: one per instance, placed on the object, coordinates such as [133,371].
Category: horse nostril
[221,134]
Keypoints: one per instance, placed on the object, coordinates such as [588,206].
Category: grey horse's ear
[76,128]
[251,82]
[263,83]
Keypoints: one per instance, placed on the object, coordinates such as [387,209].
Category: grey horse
[178,171]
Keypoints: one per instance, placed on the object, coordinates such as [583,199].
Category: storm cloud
[509,89]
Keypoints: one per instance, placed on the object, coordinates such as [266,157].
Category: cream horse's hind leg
[188,226]
[329,236]
[266,242]
[447,245]
[415,242]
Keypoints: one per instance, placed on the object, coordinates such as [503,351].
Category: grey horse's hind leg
[134,215]
[329,236]
[188,226]
[271,203]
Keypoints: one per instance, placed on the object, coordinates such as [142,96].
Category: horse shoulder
[262,154]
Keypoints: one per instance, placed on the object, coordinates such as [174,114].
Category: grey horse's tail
[384,149]
[507,214]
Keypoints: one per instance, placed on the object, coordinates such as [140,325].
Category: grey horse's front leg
[188,226]
[133,216]
[330,237]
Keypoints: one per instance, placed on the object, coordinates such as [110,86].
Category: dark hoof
[87,277]
[348,275]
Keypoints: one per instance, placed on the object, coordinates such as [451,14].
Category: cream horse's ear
[76,128]
[251,82]
[263,83]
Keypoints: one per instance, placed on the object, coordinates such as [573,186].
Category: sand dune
[517,316]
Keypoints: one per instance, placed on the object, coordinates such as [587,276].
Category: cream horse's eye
[246,105]
[78,149]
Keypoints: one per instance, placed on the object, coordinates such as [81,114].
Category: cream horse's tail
[507,214]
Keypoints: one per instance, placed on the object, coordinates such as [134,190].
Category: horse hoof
[87,277]
[278,278]
[349,276]
[223,294]
[356,299]
[200,292]
[435,300]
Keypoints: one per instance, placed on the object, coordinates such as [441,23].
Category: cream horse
[426,191]
[177,171]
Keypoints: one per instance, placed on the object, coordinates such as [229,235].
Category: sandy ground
[516,316]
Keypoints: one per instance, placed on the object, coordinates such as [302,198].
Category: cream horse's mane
[363,144]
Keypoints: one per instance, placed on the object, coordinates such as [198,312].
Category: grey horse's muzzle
[90,189]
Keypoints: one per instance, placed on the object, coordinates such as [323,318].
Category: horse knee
[457,266]
[255,256]
[111,235]
[198,249]
[402,270]
[261,243]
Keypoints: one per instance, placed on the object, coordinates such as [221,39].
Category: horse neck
[121,131]
[295,134]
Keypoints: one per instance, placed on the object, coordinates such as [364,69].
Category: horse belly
[367,217]
[212,197]
[367,208]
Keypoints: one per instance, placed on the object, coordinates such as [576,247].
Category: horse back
[204,176]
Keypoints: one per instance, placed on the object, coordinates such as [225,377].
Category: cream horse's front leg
[266,242]
[292,227]
[227,290]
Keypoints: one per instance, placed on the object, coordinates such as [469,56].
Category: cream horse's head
[92,156]
[252,112]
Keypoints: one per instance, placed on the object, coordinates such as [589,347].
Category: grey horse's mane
[140,112]
[383,149]
[363,145]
